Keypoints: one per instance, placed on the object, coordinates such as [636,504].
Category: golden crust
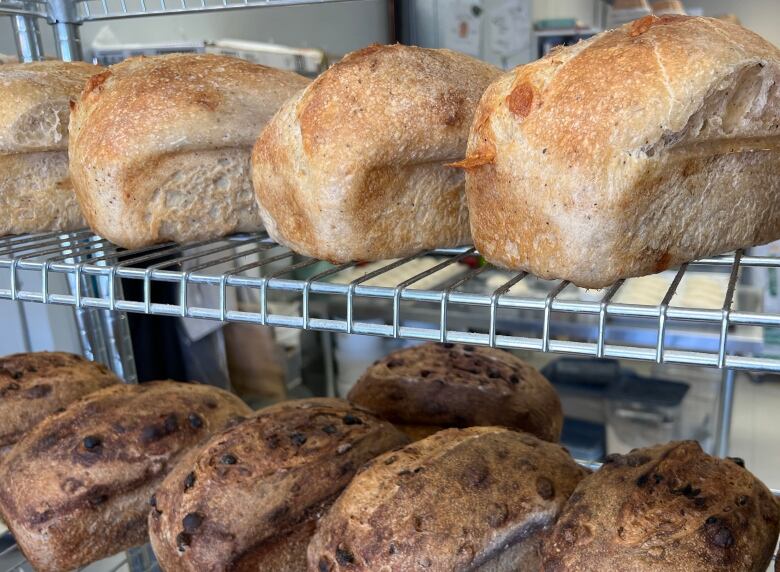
[160,145]
[354,167]
[592,163]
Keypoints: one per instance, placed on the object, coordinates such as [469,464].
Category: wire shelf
[91,10]
[251,279]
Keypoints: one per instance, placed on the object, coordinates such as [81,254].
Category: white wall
[337,28]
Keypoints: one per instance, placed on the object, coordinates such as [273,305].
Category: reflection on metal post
[28,38]
[726,408]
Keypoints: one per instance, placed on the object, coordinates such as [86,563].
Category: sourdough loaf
[634,151]
[431,386]
[76,487]
[160,146]
[353,168]
[35,190]
[249,499]
[35,385]
[478,499]
[666,508]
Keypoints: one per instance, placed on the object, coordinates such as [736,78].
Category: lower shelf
[701,314]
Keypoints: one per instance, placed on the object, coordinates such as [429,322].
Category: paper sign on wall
[460,25]
[509,27]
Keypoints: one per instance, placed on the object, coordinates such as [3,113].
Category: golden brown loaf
[353,168]
[35,385]
[76,488]
[478,499]
[35,190]
[432,386]
[629,153]
[667,508]
[249,499]
[160,146]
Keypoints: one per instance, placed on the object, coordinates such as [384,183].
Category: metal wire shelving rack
[255,263]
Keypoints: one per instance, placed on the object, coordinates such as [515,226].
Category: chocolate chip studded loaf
[35,385]
[666,508]
[476,499]
[75,489]
[248,500]
[433,386]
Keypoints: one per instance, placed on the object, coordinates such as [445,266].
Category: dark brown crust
[286,465]
[453,385]
[75,488]
[666,508]
[35,385]
[454,501]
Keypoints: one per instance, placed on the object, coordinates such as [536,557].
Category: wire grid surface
[90,10]
[254,264]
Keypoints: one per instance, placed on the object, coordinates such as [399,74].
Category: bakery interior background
[291,363]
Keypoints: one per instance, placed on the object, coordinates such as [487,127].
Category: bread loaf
[666,508]
[35,190]
[353,168]
[629,153]
[428,387]
[35,385]
[76,488]
[160,146]
[248,500]
[478,499]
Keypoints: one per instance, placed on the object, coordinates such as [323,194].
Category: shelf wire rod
[176,261]
[663,308]
[6,551]
[149,252]
[399,289]
[72,250]
[17,565]
[370,276]
[547,311]
[727,301]
[50,240]
[123,6]
[445,297]
[34,237]
[86,8]
[494,299]
[183,4]
[97,246]
[223,280]
[185,277]
[143,6]
[264,286]
[603,316]
[316,278]
[162,6]
[105,6]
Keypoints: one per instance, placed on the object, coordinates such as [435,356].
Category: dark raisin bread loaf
[477,499]
[76,487]
[248,500]
[666,508]
[35,385]
[433,386]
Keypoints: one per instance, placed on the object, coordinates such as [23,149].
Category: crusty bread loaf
[35,190]
[479,499]
[248,500]
[667,508]
[629,153]
[35,385]
[76,488]
[353,168]
[428,387]
[160,146]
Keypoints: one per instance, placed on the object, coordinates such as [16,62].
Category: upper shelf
[92,10]
[701,314]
